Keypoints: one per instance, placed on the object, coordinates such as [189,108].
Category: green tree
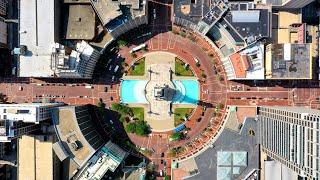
[116,106]
[122,119]
[121,43]
[220,106]
[127,110]
[131,127]
[141,128]
[176,136]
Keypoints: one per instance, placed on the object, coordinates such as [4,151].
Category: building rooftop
[250,24]
[192,12]
[107,10]
[35,159]
[9,129]
[247,63]
[302,110]
[205,11]
[288,27]
[118,11]
[216,11]
[240,64]
[25,112]
[242,20]
[37,17]
[77,1]
[286,18]
[276,170]
[289,61]
[39,53]
[76,131]
[81,22]
[108,158]
[3,34]
[134,173]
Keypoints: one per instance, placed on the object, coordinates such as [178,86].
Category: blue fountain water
[187,91]
[133,91]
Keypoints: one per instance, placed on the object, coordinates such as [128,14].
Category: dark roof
[232,31]
[260,28]
[87,127]
[196,9]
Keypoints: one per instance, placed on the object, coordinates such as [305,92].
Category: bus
[135,49]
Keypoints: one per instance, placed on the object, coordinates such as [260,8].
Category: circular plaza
[181,86]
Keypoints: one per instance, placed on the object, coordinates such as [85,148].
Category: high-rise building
[288,3]
[108,158]
[19,119]
[3,7]
[3,32]
[36,158]
[2,149]
[291,136]
[40,54]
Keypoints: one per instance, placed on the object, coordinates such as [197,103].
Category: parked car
[116,68]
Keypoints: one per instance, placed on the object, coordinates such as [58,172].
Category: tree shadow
[206,104]
[111,128]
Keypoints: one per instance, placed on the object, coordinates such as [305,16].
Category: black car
[162,154]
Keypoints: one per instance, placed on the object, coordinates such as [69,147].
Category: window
[23,111]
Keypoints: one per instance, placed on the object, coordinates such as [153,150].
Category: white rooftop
[26,112]
[257,72]
[275,170]
[37,33]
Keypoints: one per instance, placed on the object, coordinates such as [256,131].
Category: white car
[112,79]
[116,68]
[154,14]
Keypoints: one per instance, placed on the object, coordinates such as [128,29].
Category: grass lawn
[139,68]
[180,70]
[179,114]
[138,113]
